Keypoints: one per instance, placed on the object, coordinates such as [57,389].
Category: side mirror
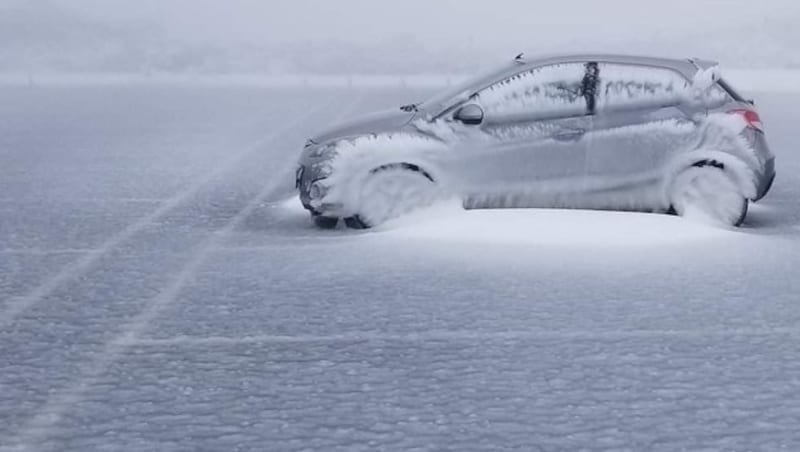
[470,114]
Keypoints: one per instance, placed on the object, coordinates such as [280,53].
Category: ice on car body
[607,134]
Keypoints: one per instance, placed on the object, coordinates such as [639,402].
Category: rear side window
[623,86]
[545,92]
[730,91]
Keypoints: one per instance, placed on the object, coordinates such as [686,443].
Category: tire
[325,222]
[355,222]
[708,194]
[391,191]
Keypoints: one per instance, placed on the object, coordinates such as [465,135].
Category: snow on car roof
[683,65]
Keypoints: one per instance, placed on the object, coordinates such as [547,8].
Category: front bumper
[310,184]
[766,174]
[302,183]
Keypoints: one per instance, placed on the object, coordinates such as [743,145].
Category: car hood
[383,121]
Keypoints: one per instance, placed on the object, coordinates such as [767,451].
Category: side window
[546,92]
[717,95]
[622,86]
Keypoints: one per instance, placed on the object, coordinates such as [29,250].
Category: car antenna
[519,57]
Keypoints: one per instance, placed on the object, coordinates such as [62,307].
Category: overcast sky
[490,23]
[390,36]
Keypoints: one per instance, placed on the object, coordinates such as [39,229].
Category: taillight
[750,117]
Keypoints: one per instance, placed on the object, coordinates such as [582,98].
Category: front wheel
[708,194]
[325,222]
[391,191]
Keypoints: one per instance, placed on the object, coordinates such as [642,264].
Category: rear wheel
[708,194]
[391,191]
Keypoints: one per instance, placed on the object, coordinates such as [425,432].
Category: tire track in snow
[456,335]
[18,305]
[39,427]
[44,252]
[41,423]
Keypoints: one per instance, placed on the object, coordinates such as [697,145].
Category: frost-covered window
[627,86]
[716,95]
[548,91]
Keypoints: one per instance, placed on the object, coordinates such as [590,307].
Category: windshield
[448,97]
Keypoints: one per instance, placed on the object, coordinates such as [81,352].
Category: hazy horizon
[351,36]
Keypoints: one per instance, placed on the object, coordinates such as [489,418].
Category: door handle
[569,134]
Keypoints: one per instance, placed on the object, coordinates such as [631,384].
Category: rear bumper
[766,173]
[766,180]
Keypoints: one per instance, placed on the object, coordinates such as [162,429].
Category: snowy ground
[158,292]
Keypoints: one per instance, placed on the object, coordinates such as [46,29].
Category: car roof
[686,66]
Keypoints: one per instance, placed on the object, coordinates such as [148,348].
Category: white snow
[158,293]
[448,222]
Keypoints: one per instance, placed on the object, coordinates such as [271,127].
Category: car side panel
[524,164]
[532,138]
[629,155]
[640,124]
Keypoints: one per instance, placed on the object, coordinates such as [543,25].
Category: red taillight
[750,117]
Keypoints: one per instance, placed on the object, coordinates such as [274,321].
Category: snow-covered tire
[709,194]
[391,191]
[325,222]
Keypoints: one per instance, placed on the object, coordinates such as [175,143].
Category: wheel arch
[739,171]
[357,219]
[404,166]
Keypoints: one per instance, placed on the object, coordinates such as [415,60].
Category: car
[587,131]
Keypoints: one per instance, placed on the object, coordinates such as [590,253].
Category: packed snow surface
[448,222]
[159,292]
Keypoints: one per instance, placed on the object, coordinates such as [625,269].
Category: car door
[529,146]
[641,120]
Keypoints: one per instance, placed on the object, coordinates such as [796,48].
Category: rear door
[641,120]
[532,144]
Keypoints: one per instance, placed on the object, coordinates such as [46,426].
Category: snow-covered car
[577,131]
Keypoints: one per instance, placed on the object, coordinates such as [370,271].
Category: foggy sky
[486,23]
[382,36]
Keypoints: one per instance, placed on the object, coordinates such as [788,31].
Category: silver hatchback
[576,131]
